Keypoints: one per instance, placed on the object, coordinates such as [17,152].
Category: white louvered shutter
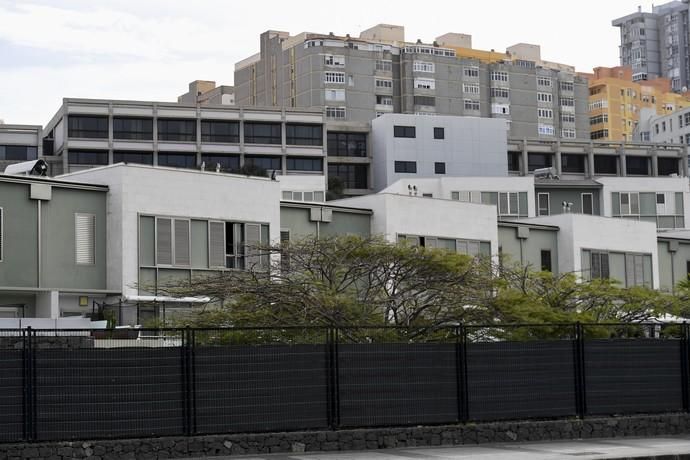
[182,242]
[85,238]
[164,241]
[216,244]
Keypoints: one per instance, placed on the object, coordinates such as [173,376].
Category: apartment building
[19,143]
[87,133]
[358,79]
[656,44]
[616,103]
[670,128]
[205,92]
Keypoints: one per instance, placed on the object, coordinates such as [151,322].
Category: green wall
[538,240]
[19,266]
[296,220]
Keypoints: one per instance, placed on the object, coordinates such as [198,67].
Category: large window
[140,129]
[18,152]
[303,134]
[336,112]
[220,131]
[173,242]
[264,162]
[347,144]
[143,158]
[629,203]
[509,204]
[352,176]
[176,130]
[572,163]
[409,167]
[404,131]
[423,66]
[237,245]
[262,133]
[84,157]
[91,127]
[638,270]
[595,265]
[499,76]
[334,77]
[227,163]
[605,164]
[666,166]
[177,160]
[429,101]
[539,160]
[638,166]
[304,164]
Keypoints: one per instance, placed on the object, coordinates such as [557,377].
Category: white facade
[471,146]
[138,189]
[673,128]
[578,232]
[306,187]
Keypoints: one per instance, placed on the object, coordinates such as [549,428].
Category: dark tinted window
[143,158]
[404,131]
[439,133]
[353,176]
[539,160]
[18,152]
[347,144]
[667,166]
[220,131]
[177,160]
[605,164]
[84,157]
[87,126]
[264,162]
[406,166]
[546,260]
[262,133]
[425,100]
[637,165]
[573,163]
[514,161]
[304,164]
[303,134]
[439,168]
[133,128]
[228,163]
[176,130]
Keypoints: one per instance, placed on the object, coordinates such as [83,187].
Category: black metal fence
[77,384]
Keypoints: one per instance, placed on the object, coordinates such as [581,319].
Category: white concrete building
[601,247]
[411,146]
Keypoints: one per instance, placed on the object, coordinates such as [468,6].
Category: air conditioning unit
[544,173]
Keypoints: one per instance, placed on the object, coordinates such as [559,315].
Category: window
[404,131]
[235,245]
[381,83]
[176,130]
[384,100]
[605,164]
[220,131]
[587,203]
[267,163]
[500,92]
[514,161]
[425,100]
[666,166]
[567,117]
[629,204]
[262,133]
[334,77]
[546,260]
[384,66]
[600,104]
[335,112]
[142,158]
[638,270]
[471,72]
[177,160]
[571,163]
[439,168]
[544,113]
[334,60]
[500,109]
[297,134]
[83,157]
[467,196]
[660,203]
[352,176]
[598,265]
[439,133]
[304,164]
[408,167]
[568,133]
[637,165]
[2,234]
[227,163]
[424,83]
[18,152]
[599,134]
[539,160]
[470,89]
[85,238]
[334,94]
[545,130]
[423,66]
[90,127]
[508,204]
[499,76]
[595,120]
[543,204]
[545,97]
[567,102]
[543,81]
[471,105]
[347,144]
[567,86]
[140,129]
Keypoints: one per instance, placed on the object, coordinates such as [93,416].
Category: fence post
[579,371]
[333,392]
[26,387]
[192,366]
[461,372]
[186,381]
[684,371]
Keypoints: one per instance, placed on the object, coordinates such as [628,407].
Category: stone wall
[360,439]
[16,342]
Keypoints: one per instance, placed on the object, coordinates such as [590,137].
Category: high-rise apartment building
[616,102]
[357,79]
[656,44]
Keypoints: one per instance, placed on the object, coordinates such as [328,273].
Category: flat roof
[53,181]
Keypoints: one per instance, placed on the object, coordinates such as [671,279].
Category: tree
[336,186]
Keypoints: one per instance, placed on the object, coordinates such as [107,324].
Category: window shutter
[216,244]
[85,238]
[182,242]
[629,270]
[164,242]
[252,240]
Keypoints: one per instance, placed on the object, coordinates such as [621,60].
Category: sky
[152,49]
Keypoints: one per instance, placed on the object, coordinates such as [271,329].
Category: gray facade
[529,245]
[296,222]
[674,260]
